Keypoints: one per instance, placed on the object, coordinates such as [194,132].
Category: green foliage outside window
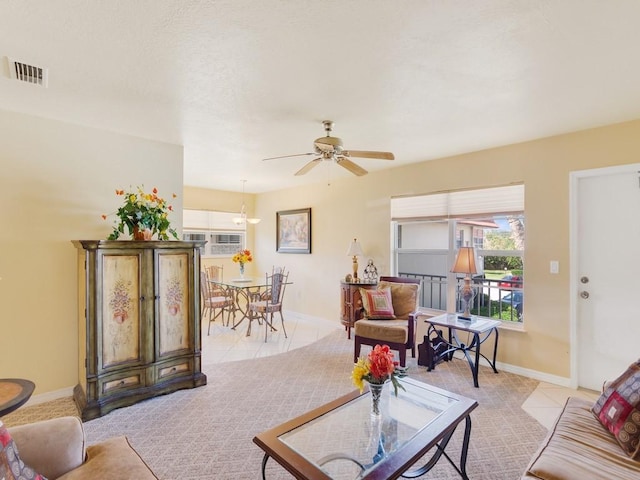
[494,309]
[501,240]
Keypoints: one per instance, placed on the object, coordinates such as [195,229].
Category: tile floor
[546,401]
[225,345]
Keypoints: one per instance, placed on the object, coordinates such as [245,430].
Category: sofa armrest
[113,459]
[51,447]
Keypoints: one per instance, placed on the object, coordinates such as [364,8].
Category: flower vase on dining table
[242,271]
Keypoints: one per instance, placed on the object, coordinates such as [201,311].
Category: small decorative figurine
[371,272]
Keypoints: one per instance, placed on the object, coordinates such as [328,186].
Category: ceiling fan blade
[288,156]
[352,167]
[365,154]
[309,166]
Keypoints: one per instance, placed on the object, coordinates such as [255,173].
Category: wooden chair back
[401,280]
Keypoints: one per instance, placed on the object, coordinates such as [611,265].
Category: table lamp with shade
[466,263]
[355,249]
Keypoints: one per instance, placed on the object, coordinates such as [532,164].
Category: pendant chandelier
[242,218]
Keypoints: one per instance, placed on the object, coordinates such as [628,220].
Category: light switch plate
[554,266]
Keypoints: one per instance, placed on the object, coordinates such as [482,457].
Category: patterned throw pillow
[404,297]
[377,304]
[618,409]
[11,467]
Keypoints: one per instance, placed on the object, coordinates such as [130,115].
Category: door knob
[584,279]
[584,294]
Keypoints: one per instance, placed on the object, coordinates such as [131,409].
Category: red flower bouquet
[378,367]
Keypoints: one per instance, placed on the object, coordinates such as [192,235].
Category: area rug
[207,432]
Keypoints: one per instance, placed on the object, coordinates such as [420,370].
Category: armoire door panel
[121,332]
[173,303]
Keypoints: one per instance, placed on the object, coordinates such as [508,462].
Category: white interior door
[607,274]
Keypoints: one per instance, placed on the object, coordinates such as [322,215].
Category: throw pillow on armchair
[404,297]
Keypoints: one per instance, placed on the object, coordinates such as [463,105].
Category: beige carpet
[206,433]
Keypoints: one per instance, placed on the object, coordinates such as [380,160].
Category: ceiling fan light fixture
[331,149]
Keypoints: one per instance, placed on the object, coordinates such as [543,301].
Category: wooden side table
[351,302]
[14,392]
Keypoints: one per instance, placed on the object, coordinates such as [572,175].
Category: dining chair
[215,274]
[216,280]
[216,301]
[270,301]
[388,316]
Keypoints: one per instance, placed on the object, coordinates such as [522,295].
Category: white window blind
[222,235]
[209,220]
[461,203]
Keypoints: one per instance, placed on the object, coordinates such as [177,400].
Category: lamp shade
[355,249]
[466,261]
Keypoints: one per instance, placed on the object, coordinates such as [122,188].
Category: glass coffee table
[341,440]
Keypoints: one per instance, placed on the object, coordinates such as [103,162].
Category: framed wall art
[293,231]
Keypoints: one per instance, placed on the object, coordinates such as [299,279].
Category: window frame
[449,208]
[206,251]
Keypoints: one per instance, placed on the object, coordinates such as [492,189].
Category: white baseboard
[525,372]
[536,375]
[49,396]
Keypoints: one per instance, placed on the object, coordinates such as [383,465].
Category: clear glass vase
[376,390]
[376,447]
[242,271]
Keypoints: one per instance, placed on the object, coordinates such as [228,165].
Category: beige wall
[359,207]
[56,180]
[221,201]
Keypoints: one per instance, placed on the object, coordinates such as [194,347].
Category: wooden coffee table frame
[435,435]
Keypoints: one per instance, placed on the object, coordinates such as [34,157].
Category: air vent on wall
[28,73]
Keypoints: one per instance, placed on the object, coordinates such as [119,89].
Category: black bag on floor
[431,350]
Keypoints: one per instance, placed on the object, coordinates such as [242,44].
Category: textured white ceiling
[235,81]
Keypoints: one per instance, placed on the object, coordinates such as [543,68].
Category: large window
[223,236]
[430,229]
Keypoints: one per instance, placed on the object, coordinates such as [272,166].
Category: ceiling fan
[330,148]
